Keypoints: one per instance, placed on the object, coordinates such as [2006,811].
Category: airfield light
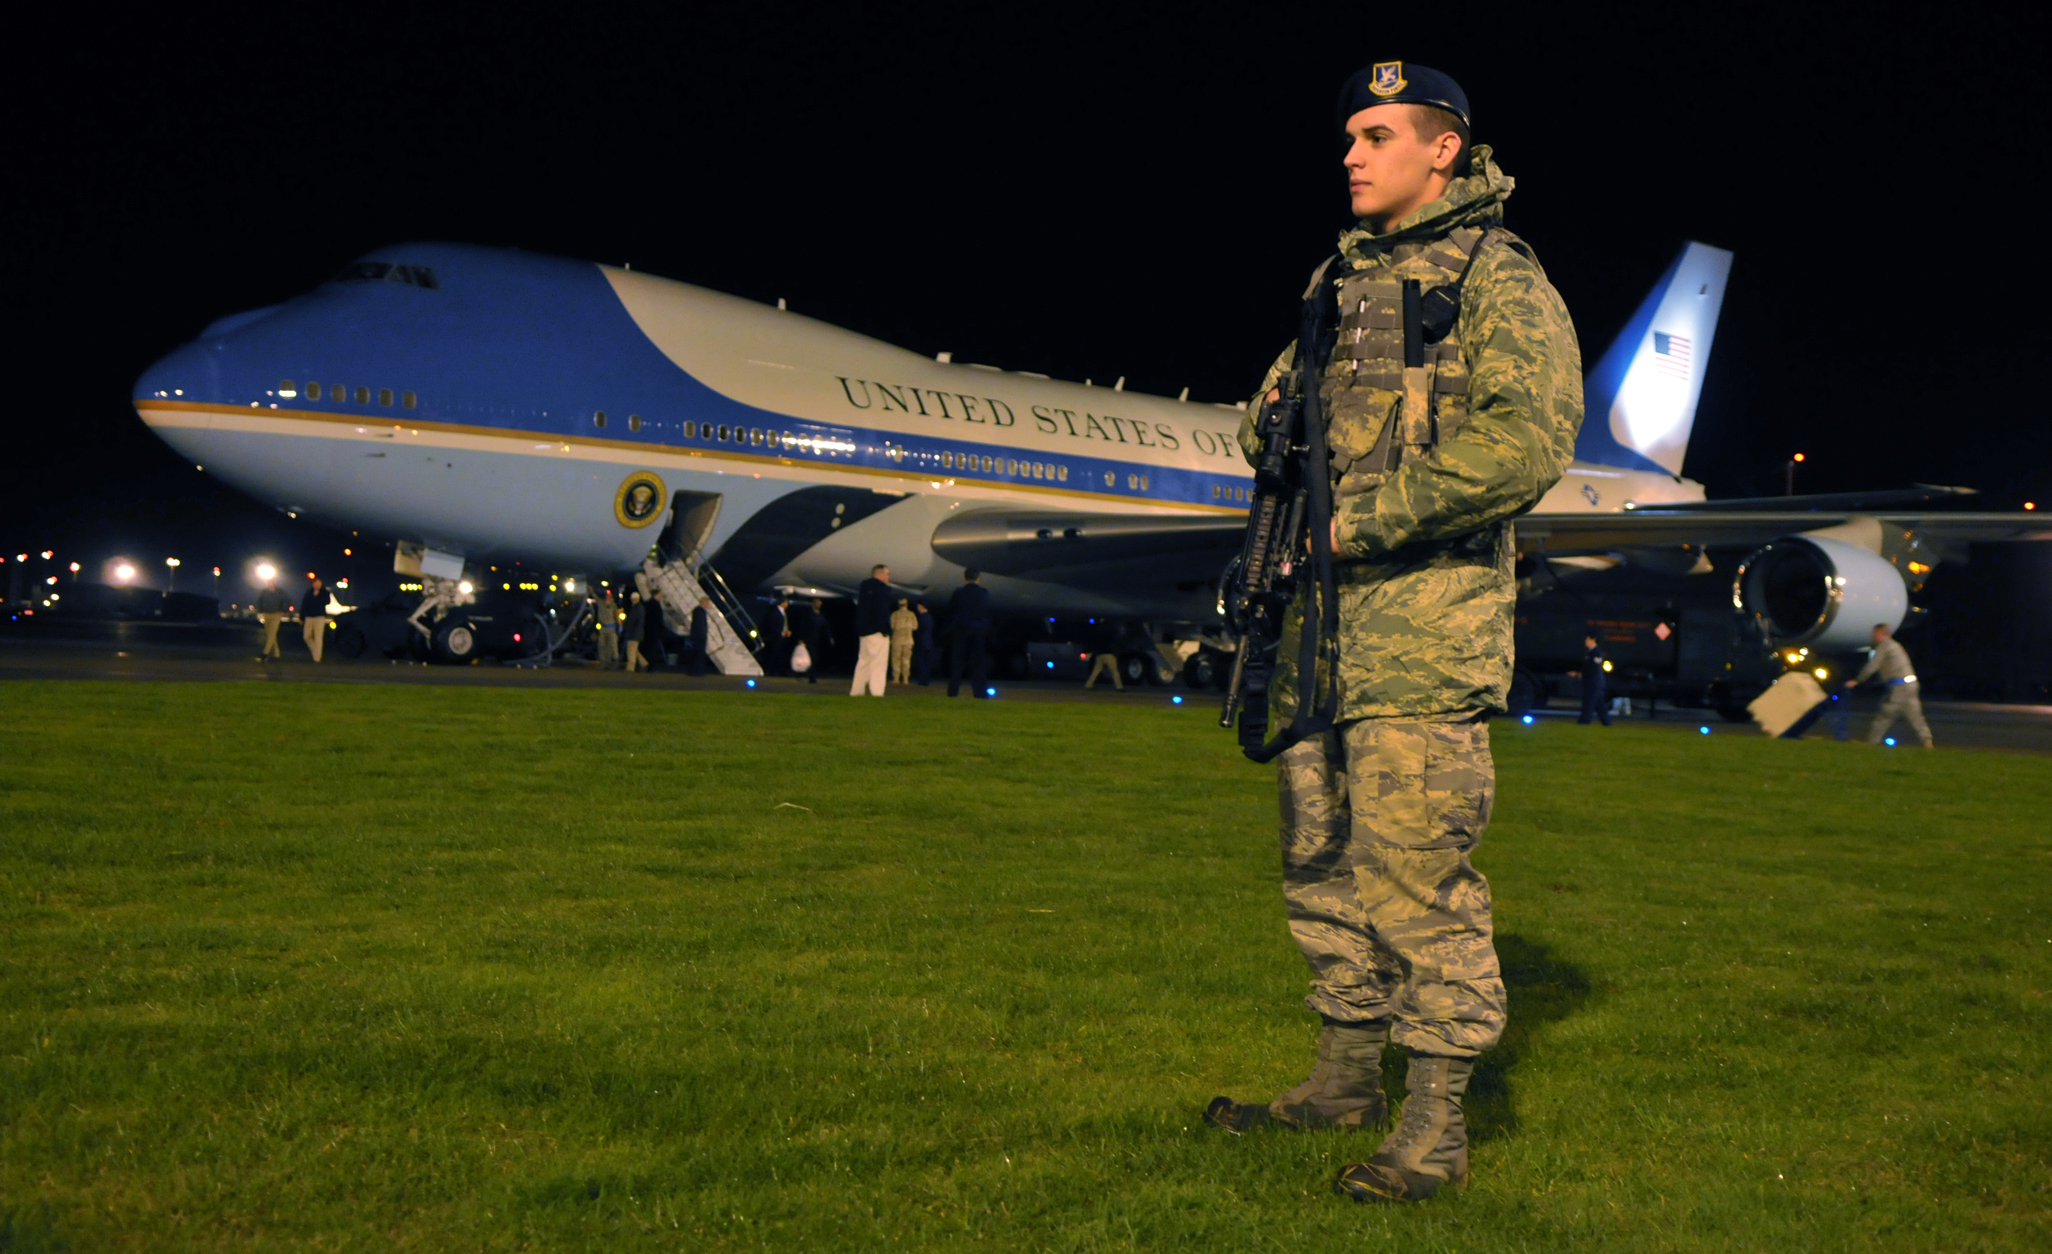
[2030,505]
[74,569]
[1821,673]
[1799,457]
[1527,720]
[990,692]
[266,572]
[348,553]
[464,587]
[516,637]
[21,557]
[124,572]
[570,585]
[173,563]
[1606,666]
[1050,666]
[48,554]
[51,580]
[751,683]
[1172,700]
[1890,742]
[1705,729]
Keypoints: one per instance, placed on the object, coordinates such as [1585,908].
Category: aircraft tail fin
[1641,396]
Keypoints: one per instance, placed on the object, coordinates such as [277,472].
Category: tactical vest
[1377,411]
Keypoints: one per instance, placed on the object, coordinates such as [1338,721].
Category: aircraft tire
[1201,671]
[455,640]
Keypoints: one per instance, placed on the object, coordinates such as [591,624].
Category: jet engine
[1819,591]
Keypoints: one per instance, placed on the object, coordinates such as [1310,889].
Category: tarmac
[225,652]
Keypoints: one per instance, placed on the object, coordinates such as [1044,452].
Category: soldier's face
[1390,171]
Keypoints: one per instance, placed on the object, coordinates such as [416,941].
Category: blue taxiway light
[1704,730]
[1050,666]
[990,692]
[1527,720]
[1175,700]
[751,683]
[1890,742]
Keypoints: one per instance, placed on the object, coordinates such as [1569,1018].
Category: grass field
[335,967]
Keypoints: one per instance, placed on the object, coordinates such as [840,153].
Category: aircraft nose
[190,373]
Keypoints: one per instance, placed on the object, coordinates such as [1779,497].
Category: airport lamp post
[171,574]
[1789,485]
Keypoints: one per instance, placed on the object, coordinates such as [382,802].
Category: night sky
[1083,191]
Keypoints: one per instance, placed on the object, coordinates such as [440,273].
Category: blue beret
[1398,82]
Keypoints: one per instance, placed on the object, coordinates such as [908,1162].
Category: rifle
[1289,534]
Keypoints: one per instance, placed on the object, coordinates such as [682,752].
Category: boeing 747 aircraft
[478,405]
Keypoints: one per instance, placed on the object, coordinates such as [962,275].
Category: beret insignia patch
[1389,78]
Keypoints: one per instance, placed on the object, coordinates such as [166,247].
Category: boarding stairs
[680,584]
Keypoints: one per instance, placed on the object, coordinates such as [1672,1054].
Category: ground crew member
[1595,678]
[904,625]
[1105,664]
[922,648]
[607,613]
[1430,464]
[313,617]
[1891,662]
[271,606]
[872,632]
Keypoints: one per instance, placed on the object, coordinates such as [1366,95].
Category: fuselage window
[754,435]
[363,396]
[634,422]
[313,391]
[1107,478]
[286,389]
[408,399]
[724,431]
[1062,473]
[690,429]
[1143,483]
[598,419]
[384,396]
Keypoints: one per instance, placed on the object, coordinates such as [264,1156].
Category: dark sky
[1083,191]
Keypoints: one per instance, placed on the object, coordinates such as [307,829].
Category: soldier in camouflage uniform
[1430,466]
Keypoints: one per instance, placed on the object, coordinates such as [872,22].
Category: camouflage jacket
[1426,587]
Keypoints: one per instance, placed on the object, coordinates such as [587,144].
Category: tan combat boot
[1429,1148]
[1344,1089]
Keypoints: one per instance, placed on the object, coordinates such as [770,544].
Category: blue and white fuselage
[492,404]
[501,406]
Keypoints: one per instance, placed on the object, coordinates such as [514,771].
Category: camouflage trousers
[1903,703]
[1378,821]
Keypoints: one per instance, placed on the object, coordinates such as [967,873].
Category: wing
[1125,553]
[1567,534]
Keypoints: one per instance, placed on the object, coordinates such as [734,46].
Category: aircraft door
[692,518]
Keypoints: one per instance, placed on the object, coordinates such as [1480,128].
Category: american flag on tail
[1671,354]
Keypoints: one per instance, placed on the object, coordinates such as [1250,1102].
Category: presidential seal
[1388,79]
[640,499]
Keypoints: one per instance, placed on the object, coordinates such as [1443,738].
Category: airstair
[681,589]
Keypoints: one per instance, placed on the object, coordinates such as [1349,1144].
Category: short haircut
[1883,627]
[879,566]
[1430,123]
[970,574]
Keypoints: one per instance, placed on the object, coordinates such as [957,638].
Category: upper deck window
[387,272]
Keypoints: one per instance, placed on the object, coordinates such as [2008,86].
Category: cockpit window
[387,272]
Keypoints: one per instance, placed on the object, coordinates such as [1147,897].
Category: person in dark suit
[633,632]
[776,633]
[1595,674]
[968,630]
[811,631]
[701,634]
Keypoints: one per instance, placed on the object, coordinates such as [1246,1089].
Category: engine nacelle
[1821,592]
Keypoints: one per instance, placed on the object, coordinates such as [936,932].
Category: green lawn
[419,968]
